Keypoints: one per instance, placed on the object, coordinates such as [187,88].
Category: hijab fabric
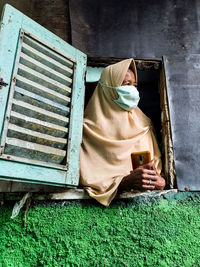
[110,135]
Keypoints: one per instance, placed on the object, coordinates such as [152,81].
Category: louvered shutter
[42,105]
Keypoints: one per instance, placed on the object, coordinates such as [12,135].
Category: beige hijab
[110,135]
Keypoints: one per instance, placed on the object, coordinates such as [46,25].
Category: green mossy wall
[138,232]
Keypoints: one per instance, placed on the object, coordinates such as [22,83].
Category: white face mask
[128,97]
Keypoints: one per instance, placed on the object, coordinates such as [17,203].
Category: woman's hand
[144,177]
[160,182]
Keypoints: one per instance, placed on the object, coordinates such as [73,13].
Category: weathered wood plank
[44,67]
[34,146]
[82,194]
[16,171]
[76,119]
[11,92]
[40,98]
[36,121]
[43,88]
[26,82]
[40,110]
[45,78]
[25,153]
[32,161]
[36,134]
[140,64]
[33,52]
[70,194]
[63,60]
[8,47]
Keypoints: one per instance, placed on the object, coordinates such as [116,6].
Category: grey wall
[52,14]
[142,29]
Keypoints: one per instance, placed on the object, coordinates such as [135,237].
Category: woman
[114,127]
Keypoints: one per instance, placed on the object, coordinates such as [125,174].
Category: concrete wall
[52,14]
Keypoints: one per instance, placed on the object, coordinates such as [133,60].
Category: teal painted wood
[22,172]
[93,74]
[12,23]
[76,122]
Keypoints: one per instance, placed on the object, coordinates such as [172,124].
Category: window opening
[152,96]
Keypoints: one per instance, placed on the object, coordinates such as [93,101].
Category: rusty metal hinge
[2,83]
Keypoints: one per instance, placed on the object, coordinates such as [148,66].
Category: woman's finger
[150,172]
[149,187]
[138,176]
[150,177]
[148,182]
[143,170]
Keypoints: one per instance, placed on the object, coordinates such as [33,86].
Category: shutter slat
[39,110]
[45,78]
[35,53]
[36,134]
[37,127]
[42,88]
[40,98]
[33,139]
[34,155]
[32,161]
[38,122]
[41,68]
[33,113]
[33,146]
[40,104]
[42,48]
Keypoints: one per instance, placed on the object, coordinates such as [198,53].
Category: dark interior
[148,82]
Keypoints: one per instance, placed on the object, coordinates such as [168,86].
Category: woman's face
[129,78]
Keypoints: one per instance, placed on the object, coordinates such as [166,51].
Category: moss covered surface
[160,232]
